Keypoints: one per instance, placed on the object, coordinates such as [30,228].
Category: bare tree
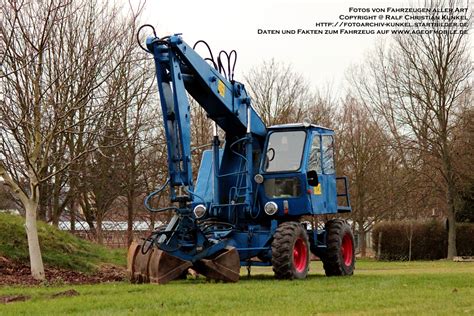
[281,95]
[464,160]
[363,155]
[139,128]
[58,55]
[417,87]
[104,169]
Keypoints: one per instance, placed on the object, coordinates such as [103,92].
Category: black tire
[339,258]
[290,251]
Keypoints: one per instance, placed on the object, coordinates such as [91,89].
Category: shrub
[465,240]
[429,240]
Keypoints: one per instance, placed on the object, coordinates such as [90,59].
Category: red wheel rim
[346,249]
[300,255]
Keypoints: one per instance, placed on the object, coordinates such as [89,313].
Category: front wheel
[339,258]
[290,251]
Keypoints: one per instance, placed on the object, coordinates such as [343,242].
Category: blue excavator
[258,192]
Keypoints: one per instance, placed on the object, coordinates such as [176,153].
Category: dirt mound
[18,273]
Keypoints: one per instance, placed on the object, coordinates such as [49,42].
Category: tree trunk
[55,213]
[42,208]
[31,208]
[451,194]
[36,261]
[362,240]
[88,215]
[130,213]
[452,251]
[72,215]
[379,246]
[98,229]
[363,243]
[410,239]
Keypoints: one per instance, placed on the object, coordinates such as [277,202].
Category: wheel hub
[300,255]
[346,250]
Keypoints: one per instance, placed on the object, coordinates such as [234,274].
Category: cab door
[321,160]
[329,174]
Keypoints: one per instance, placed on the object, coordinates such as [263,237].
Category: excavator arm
[181,70]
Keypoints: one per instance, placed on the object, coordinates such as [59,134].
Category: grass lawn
[439,287]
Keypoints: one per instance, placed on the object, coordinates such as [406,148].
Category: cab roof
[300,125]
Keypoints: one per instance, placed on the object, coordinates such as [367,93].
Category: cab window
[283,187]
[328,154]
[284,151]
[315,155]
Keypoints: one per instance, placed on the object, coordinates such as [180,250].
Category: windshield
[284,151]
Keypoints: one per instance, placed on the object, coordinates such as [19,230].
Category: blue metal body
[225,183]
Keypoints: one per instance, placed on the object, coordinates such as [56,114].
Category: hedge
[429,240]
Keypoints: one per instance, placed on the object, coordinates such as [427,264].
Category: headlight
[271,208]
[258,178]
[199,211]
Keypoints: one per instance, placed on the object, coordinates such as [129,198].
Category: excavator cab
[299,172]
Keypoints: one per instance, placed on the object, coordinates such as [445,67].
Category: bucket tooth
[164,267]
[225,266]
[137,263]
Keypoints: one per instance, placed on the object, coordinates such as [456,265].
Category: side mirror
[312,177]
[270,154]
[269,157]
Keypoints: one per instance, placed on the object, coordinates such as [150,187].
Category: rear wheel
[290,251]
[339,258]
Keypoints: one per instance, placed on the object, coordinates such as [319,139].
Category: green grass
[381,288]
[59,248]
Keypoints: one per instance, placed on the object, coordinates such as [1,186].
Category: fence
[111,238]
[114,232]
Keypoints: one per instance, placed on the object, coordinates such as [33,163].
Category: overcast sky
[322,59]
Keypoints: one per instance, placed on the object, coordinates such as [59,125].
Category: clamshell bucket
[225,266]
[164,267]
[137,263]
[157,266]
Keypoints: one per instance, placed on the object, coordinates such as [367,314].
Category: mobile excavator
[258,192]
